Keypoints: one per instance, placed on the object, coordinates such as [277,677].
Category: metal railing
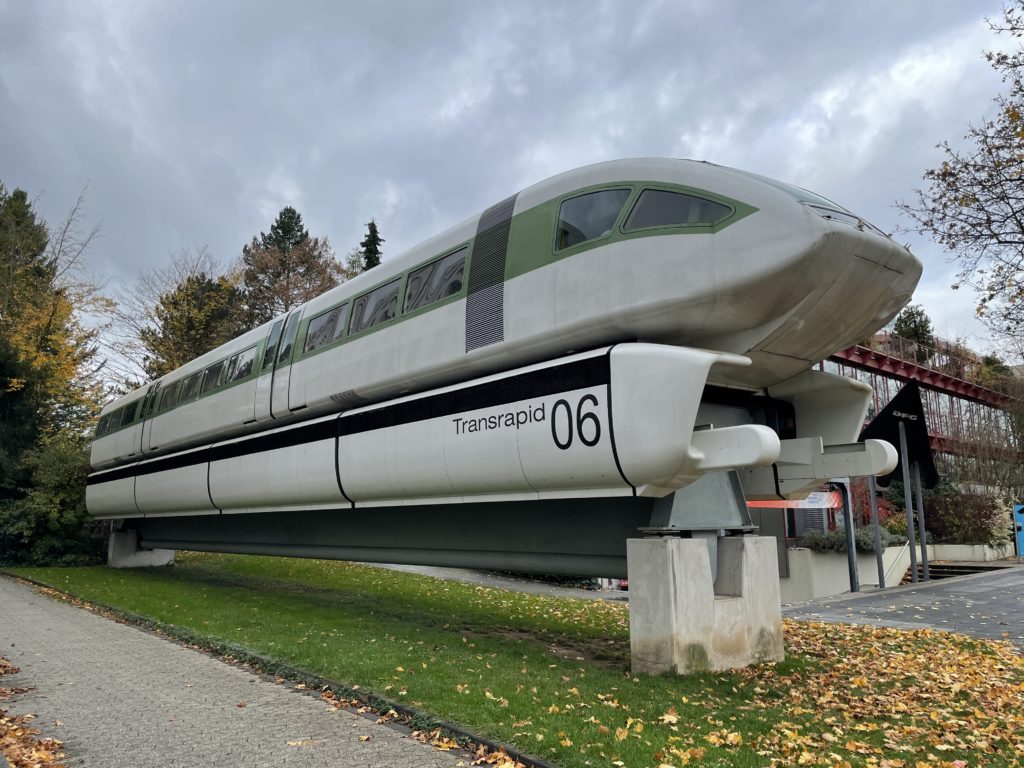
[948,358]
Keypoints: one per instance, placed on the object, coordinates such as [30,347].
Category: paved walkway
[117,696]
[987,605]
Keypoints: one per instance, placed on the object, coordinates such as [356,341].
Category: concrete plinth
[123,552]
[683,619]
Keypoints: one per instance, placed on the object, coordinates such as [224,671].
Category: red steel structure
[964,399]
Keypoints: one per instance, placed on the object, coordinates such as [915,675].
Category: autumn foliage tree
[173,314]
[285,267]
[974,202]
[49,385]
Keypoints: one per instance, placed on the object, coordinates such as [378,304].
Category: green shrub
[968,518]
[864,538]
[49,524]
[954,516]
[896,525]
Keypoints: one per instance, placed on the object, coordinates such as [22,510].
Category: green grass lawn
[551,675]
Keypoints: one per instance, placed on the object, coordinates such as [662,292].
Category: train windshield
[822,206]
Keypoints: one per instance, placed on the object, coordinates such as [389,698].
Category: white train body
[756,269]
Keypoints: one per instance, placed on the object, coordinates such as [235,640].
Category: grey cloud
[191,121]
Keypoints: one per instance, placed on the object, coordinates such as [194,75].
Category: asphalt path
[986,605]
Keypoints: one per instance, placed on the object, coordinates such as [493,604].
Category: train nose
[876,279]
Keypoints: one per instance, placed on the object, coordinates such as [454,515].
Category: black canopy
[906,407]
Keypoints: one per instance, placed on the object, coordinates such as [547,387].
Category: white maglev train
[716,289]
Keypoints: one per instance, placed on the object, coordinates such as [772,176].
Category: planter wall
[824,574]
[973,553]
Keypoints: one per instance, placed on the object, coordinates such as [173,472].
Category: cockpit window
[659,208]
[588,217]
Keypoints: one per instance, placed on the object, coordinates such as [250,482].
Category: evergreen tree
[284,268]
[48,388]
[370,246]
[914,325]
[197,315]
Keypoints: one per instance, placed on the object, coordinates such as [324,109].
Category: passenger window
[325,328]
[212,376]
[659,208]
[436,281]
[588,217]
[241,365]
[274,338]
[375,308]
[169,398]
[101,425]
[129,413]
[190,387]
[288,339]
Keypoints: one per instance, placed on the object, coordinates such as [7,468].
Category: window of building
[376,307]
[436,281]
[660,208]
[325,328]
[588,217]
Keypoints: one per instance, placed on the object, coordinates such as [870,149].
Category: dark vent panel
[485,301]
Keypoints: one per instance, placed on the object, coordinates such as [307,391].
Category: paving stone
[118,696]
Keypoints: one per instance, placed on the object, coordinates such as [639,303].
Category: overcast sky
[195,122]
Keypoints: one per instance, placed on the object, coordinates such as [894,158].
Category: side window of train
[436,281]
[272,341]
[103,425]
[241,365]
[588,217]
[212,376]
[325,328]
[291,329]
[169,397]
[129,413]
[661,208]
[190,387]
[376,307]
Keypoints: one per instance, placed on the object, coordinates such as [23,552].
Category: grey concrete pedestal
[123,552]
[683,618]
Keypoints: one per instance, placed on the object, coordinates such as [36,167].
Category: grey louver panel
[485,300]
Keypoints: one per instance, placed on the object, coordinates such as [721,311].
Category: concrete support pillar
[683,618]
[123,552]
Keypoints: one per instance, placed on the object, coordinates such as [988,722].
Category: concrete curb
[257,662]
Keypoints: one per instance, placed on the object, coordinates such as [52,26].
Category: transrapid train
[618,329]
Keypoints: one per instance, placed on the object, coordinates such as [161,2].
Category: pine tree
[914,325]
[370,246]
